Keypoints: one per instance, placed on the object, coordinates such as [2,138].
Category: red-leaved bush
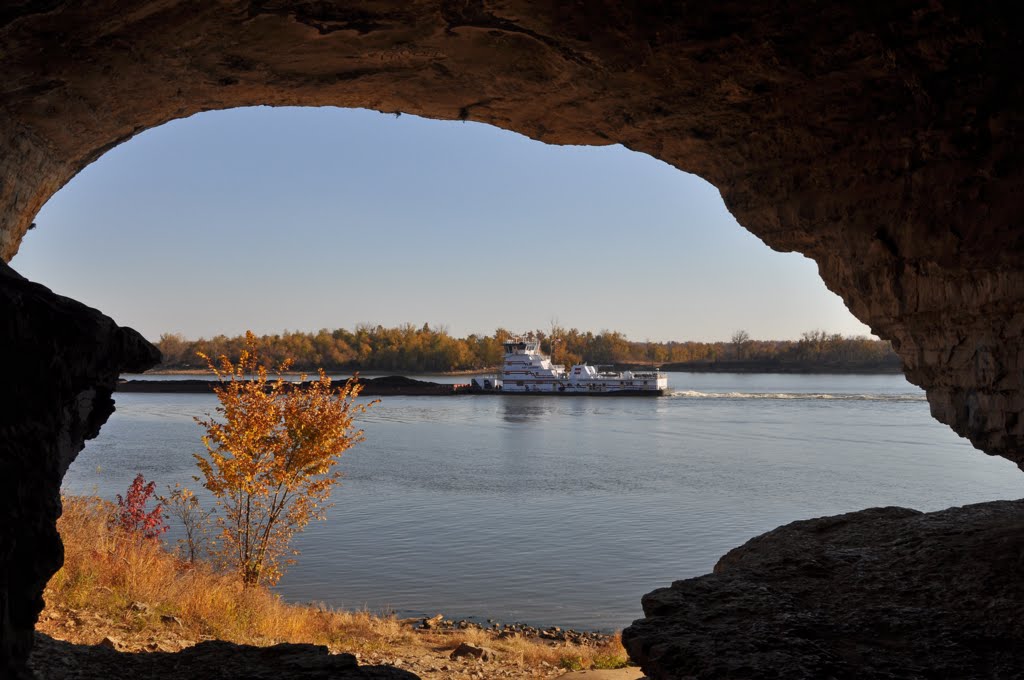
[132,514]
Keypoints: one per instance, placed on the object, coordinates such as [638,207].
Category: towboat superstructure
[526,370]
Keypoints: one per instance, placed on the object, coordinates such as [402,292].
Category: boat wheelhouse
[526,370]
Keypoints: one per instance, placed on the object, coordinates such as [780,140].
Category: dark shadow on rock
[65,363]
[58,660]
[880,593]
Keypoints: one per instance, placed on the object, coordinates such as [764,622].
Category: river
[565,510]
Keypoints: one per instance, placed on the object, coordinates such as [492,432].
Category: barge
[525,370]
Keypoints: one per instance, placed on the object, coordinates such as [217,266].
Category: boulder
[881,593]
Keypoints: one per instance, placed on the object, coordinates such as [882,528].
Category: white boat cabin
[526,369]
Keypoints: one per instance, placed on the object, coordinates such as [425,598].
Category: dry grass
[105,571]
[527,652]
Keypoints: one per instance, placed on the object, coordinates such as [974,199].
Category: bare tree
[740,343]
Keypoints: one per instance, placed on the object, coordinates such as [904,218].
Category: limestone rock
[883,140]
[880,593]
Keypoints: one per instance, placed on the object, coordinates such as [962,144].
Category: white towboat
[526,371]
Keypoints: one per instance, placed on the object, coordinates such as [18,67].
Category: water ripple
[801,396]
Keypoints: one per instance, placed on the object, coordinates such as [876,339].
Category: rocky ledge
[880,593]
[57,660]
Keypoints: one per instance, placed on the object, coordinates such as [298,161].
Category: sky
[275,219]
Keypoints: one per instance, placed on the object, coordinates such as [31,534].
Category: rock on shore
[880,593]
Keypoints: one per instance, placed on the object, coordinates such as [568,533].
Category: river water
[565,510]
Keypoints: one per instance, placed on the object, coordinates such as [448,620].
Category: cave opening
[207,221]
[884,143]
[126,207]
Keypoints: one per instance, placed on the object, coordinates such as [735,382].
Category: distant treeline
[410,348]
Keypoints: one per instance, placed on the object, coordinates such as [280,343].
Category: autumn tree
[420,348]
[270,459]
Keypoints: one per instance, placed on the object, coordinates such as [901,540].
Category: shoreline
[128,594]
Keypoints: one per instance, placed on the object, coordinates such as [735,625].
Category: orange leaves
[270,458]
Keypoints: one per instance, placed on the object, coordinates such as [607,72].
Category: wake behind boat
[526,371]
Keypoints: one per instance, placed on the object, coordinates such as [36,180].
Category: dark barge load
[391,385]
[387,386]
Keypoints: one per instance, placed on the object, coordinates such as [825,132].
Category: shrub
[133,516]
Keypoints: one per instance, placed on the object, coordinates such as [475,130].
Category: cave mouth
[121,190]
[115,193]
[881,142]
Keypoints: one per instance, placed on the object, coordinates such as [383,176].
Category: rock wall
[63,362]
[882,140]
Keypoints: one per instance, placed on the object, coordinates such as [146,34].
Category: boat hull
[567,390]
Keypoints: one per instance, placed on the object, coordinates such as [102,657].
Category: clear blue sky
[303,218]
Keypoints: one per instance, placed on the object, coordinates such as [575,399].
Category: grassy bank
[142,597]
